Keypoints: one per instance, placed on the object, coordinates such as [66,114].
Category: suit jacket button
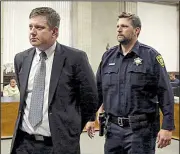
[50,113]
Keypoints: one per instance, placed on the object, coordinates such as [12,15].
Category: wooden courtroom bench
[9,112]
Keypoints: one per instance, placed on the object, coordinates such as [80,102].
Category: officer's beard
[124,41]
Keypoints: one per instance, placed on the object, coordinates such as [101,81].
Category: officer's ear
[137,31]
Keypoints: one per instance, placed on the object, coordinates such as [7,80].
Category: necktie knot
[43,55]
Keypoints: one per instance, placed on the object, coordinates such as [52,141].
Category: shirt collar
[135,49]
[48,51]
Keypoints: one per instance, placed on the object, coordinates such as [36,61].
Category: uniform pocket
[110,76]
[138,76]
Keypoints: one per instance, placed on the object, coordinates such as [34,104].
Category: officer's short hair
[52,17]
[136,22]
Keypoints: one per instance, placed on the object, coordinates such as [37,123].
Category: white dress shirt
[43,127]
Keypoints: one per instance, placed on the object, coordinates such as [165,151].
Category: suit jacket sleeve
[88,89]
[99,86]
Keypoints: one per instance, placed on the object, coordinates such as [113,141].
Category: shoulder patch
[160,60]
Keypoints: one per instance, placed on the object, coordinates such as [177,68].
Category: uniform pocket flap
[110,70]
[137,69]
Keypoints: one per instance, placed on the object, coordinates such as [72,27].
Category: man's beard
[124,41]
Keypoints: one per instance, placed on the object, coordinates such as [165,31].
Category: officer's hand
[164,138]
[90,127]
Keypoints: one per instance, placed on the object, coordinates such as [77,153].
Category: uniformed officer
[133,84]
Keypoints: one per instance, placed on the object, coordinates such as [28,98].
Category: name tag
[111,64]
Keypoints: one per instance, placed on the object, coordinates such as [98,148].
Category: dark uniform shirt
[134,83]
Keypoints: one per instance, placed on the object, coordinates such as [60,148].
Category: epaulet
[146,46]
[114,47]
[109,51]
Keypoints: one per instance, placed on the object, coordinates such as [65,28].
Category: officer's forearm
[168,123]
[168,117]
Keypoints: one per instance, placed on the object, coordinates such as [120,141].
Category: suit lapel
[56,70]
[25,72]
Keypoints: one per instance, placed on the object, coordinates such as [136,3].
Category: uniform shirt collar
[135,49]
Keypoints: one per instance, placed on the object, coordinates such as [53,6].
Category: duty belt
[121,121]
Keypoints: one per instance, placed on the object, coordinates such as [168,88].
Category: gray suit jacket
[72,96]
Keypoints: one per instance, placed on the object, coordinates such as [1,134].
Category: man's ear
[55,32]
[137,31]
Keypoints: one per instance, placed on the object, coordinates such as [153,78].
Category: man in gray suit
[58,92]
